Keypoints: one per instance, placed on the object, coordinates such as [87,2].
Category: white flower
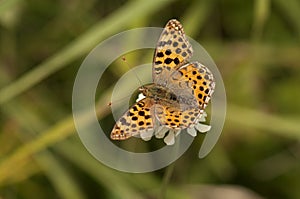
[147,135]
[202,128]
[170,138]
[161,131]
[192,131]
[202,117]
[140,97]
[169,134]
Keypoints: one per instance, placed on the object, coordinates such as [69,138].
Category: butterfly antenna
[121,99]
[117,101]
[129,66]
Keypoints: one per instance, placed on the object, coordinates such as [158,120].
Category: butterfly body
[159,94]
[179,93]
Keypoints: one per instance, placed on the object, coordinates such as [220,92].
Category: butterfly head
[147,89]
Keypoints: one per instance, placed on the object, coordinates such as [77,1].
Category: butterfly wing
[193,80]
[175,118]
[172,51]
[137,120]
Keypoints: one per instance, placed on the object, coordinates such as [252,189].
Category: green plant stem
[169,170]
[166,180]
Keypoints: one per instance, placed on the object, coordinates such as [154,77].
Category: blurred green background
[255,44]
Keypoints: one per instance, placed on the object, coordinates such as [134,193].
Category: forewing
[138,119]
[172,50]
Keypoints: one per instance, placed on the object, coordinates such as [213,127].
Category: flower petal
[147,135]
[202,118]
[192,131]
[202,127]
[177,132]
[161,132]
[140,97]
[170,138]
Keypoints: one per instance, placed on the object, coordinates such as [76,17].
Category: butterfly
[178,95]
